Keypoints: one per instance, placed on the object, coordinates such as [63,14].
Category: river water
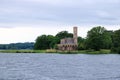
[59,67]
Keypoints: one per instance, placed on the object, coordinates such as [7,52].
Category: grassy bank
[22,51]
[28,51]
[102,51]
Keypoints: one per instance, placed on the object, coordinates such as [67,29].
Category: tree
[54,43]
[63,34]
[49,41]
[26,45]
[116,41]
[81,43]
[107,39]
[98,38]
[43,42]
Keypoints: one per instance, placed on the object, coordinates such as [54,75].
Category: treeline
[97,38]
[49,41]
[26,45]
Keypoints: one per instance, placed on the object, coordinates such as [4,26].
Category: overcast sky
[24,20]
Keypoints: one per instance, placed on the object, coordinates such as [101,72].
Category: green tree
[98,38]
[107,39]
[63,34]
[81,43]
[54,43]
[43,42]
[116,41]
[49,41]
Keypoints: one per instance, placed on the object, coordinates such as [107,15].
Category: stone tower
[69,44]
[75,35]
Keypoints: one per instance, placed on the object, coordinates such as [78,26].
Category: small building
[69,44]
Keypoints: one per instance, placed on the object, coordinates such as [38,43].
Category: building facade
[69,44]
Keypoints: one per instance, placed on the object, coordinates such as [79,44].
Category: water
[59,67]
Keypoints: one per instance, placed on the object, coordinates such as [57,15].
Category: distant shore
[102,51]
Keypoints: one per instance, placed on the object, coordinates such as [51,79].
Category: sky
[25,20]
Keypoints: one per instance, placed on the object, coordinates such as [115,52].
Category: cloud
[52,16]
[60,11]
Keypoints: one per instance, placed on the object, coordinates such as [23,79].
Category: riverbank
[22,51]
[102,51]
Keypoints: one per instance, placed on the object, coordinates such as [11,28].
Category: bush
[118,50]
[113,49]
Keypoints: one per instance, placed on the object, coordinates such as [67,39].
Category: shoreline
[102,51]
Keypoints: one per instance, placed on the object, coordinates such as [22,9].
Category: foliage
[43,42]
[50,41]
[107,39]
[64,34]
[116,42]
[54,43]
[81,43]
[98,38]
[26,45]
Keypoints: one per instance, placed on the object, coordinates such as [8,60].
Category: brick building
[69,44]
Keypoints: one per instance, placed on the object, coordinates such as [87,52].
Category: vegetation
[116,42]
[43,42]
[56,51]
[81,43]
[49,41]
[17,46]
[63,34]
[98,40]
[23,51]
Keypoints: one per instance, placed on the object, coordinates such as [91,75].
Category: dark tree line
[97,38]
[116,41]
[26,45]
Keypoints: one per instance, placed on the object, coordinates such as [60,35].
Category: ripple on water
[59,67]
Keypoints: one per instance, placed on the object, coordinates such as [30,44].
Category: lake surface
[59,67]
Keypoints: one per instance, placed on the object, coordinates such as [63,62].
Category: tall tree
[81,43]
[98,38]
[107,39]
[116,41]
[43,42]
